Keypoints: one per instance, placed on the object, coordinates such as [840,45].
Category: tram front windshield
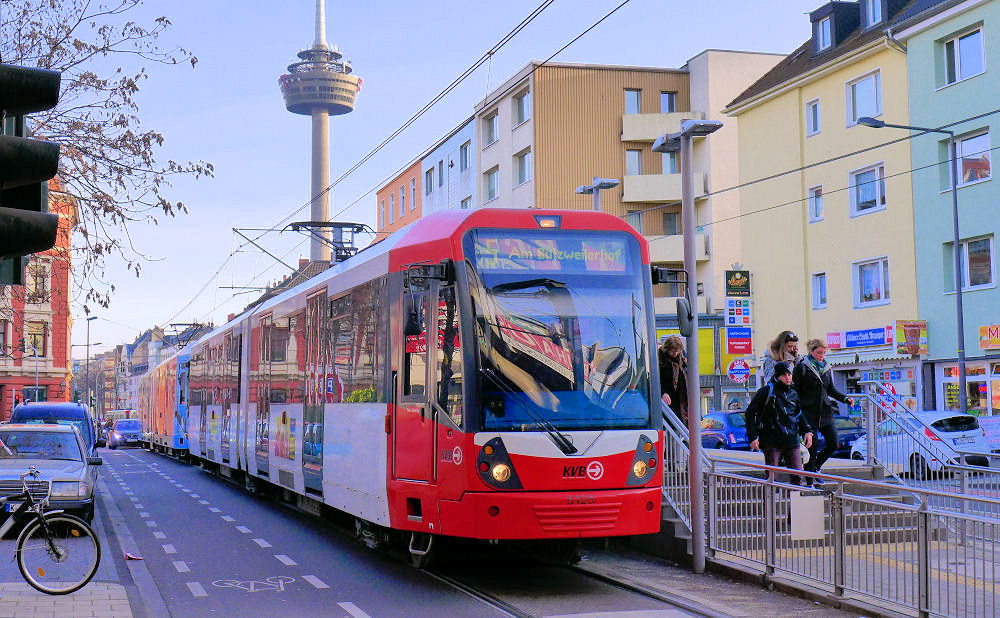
[561,329]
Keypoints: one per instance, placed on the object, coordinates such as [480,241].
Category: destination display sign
[569,253]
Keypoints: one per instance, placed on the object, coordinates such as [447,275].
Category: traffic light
[26,164]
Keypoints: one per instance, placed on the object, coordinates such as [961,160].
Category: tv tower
[319,85]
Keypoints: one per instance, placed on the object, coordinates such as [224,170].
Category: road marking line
[159,535]
[144,514]
[315,581]
[169,549]
[285,560]
[351,609]
[187,491]
[261,542]
[133,499]
[181,566]
[215,510]
[204,502]
[151,523]
[138,506]
[195,496]
[196,589]
[243,529]
[227,518]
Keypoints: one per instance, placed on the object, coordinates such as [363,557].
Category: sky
[228,111]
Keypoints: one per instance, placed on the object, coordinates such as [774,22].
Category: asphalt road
[213,550]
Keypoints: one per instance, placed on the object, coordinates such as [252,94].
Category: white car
[940,437]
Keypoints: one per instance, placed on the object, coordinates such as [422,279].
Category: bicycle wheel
[62,562]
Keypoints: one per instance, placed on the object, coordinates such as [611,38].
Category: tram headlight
[639,469]
[500,473]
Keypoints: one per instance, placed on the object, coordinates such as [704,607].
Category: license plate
[965,440]
[10,507]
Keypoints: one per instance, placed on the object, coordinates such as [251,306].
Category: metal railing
[676,479]
[911,558]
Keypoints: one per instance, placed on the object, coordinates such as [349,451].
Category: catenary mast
[319,85]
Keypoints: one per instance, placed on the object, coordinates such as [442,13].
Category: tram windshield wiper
[560,439]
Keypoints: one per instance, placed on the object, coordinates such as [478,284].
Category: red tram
[484,374]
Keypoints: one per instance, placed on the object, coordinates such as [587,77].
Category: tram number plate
[10,507]
[581,500]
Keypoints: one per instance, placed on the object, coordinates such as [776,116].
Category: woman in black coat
[673,376]
[814,385]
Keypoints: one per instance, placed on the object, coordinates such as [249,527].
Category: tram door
[413,434]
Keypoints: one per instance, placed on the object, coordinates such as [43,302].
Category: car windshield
[956,423]
[561,326]
[39,445]
[128,425]
[72,422]
[847,424]
[737,420]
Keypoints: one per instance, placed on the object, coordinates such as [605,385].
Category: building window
[31,393]
[463,156]
[864,97]
[819,290]
[491,132]
[413,194]
[392,207]
[824,38]
[669,163]
[441,173]
[668,102]
[813,125]
[522,108]
[671,223]
[381,214]
[975,260]
[632,101]
[466,203]
[492,183]
[3,337]
[963,57]
[36,287]
[522,163]
[873,12]
[973,154]
[635,220]
[633,162]
[35,335]
[871,282]
[429,181]
[816,204]
[867,187]
[402,202]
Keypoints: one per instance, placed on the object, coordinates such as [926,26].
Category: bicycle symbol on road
[275,582]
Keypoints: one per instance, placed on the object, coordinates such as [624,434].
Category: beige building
[553,127]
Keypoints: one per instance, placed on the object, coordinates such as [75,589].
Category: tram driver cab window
[415,341]
[449,354]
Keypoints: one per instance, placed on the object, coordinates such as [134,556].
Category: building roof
[803,60]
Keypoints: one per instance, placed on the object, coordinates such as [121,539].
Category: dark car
[62,413]
[724,430]
[126,432]
[849,429]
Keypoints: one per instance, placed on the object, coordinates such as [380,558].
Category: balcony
[659,188]
[671,248]
[667,305]
[648,127]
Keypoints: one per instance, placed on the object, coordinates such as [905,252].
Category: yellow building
[827,229]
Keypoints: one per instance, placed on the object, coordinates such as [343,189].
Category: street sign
[738,371]
[738,340]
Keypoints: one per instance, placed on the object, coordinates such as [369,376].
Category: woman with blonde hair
[673,376]
[783,348]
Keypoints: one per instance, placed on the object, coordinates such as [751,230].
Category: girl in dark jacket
[775,421]
[814,384]
[673,376]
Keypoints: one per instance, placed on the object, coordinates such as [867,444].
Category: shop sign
[738,283]
[834,341]
[991,426]
[738,371]
[738,341]
[911,337]
[989,337]
[860,338]
[886,375]
[738,312]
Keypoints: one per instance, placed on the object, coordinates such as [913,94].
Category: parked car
[939,438]
[849,429]
[126,432]
[63,413]
[724,430]
[60,454]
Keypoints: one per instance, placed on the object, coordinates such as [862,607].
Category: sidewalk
[104,599]
[721,595]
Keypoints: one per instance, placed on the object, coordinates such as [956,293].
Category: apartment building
[449,171]
[399,201]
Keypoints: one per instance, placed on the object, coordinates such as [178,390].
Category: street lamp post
[87,394]
[963,400]
[596,187]
[673,142]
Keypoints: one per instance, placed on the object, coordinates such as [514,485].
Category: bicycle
[57,553]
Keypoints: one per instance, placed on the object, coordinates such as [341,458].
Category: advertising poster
[911,337]
[738,283]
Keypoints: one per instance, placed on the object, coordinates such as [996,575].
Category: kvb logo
[595,470]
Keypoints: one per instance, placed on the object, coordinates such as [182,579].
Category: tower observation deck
[321,84]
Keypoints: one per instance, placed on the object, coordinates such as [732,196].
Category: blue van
[63,413]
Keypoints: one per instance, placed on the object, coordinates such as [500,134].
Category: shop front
[982,377]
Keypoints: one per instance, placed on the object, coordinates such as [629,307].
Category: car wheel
[721,446]
[856,456]
[918,467]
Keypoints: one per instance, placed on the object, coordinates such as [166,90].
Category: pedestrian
[673,376]
[814,383]
[775,421]
[784,347]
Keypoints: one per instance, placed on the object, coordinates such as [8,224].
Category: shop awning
[850,357]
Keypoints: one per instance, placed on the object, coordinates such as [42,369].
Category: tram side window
[415,344]
[342,334]
[296,359]
[449,386]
